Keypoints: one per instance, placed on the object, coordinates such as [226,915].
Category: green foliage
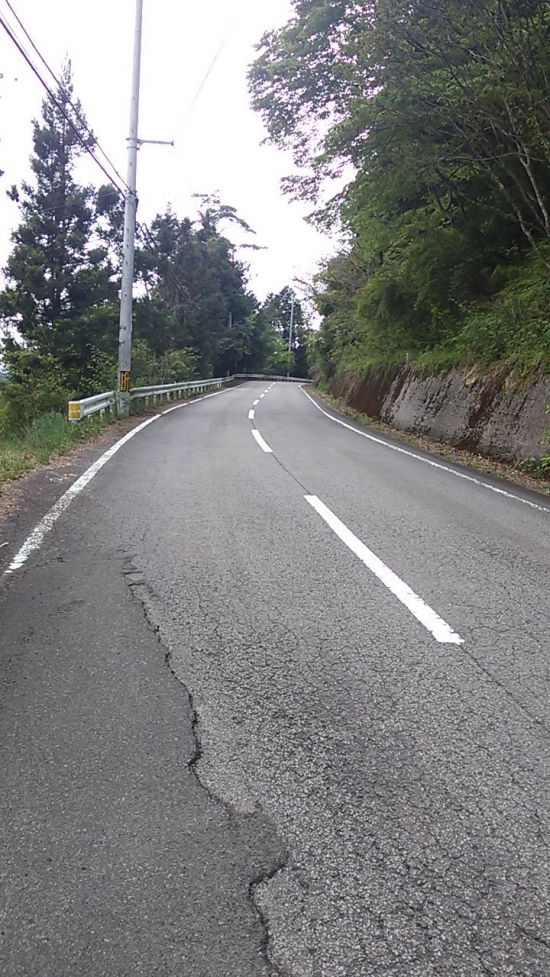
[35,386]
[149,368]
[279,360]
[441,109]
[536,467]
[277,312]
[197,296]
[197,289]
[61,296]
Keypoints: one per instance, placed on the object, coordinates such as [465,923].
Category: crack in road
[143,593]
[407,785]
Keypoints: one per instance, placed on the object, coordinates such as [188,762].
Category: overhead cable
[59,105]
[60,87]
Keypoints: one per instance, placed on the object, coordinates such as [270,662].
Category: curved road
[276,699]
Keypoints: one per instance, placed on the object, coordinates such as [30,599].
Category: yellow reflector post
[124,382]
[74,410]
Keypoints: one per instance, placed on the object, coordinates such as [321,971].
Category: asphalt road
[278,712]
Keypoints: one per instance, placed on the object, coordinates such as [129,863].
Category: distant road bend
[275,699]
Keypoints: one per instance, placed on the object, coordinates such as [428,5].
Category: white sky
[218,145]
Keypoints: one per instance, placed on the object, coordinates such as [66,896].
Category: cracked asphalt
[228,749]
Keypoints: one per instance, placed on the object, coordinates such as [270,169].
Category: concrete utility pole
[125,331]
[291,328]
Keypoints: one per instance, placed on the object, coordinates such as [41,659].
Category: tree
[467,81]
[61,294]
[277,311]
[197,294]
[440,110]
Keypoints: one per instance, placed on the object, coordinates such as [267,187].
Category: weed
[43,439]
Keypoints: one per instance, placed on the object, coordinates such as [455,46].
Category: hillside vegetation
[194,313]
[439,113]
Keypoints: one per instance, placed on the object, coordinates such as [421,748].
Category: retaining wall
[492,412]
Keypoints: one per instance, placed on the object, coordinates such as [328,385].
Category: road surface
[276,700]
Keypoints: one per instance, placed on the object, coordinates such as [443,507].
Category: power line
[59,105]
[79,117]
[81,120]
[142,228]
[207,75]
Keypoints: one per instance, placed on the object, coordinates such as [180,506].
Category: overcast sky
[218,143]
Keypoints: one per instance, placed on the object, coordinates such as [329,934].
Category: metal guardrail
[269,376]
[78,409]
[169,390]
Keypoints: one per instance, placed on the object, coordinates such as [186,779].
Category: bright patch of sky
[218,142]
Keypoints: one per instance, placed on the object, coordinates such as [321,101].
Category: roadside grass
[49,436]
[44,438]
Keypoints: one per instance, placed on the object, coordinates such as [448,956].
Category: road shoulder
[499,473]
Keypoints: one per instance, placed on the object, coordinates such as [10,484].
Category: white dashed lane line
[261,397]
[263,444]
[255,433]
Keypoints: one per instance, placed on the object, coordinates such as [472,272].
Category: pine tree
[61,292]
[198,296]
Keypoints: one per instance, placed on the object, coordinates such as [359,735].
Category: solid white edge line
[251,415]
[170,409]
[263,444]
[440,630]
[46,523]
[36,538]
[426,461]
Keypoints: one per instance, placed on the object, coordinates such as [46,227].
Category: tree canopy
[440,110]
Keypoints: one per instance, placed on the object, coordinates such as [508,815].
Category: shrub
[34,387]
